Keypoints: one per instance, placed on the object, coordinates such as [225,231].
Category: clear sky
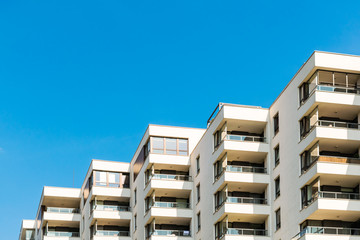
[83,79]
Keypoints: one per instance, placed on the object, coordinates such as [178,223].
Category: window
[198,192]
[198,164]
[277,155]
[276,123]
[198,221]
[170,146]
[135,222]
[277,187]
[303,92]
[111,179]
[135,197]
[278,219]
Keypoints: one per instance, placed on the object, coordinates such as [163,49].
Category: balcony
[233,230]
[161,229]
[339,158]
[117,212]
[63,235]
[230,169]
[331,87]
[167,179]
[238,135]
[327,233]
[106,232]
[245,200]
[170,204]
[329,198]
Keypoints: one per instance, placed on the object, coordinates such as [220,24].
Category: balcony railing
[244,138]
[62,210]
[181,233]
[62,234]
[112,233]
[250,169]
[327,230]
[112,208]
[171,177]
[340,89]
[244,231]
[171,204]
[248,200]
[330,159]
[337,124]
[338,195]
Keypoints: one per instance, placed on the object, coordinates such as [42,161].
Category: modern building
[291,171]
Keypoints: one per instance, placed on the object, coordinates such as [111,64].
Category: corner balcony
[245,234]
[247,201]
[169,181]
[111,235]
[330,87]
[111,212]
[328,157]
[330,205]
[328,233]
[168,229]
[241,174]
[238,135]
[62,214]
[231,229]
[61,235]
[171,204]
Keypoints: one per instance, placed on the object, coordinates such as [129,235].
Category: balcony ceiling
[251,218]
[255,157]
[338,145]
[346,112]
[172,193]
[340,180]
[325,214]
[61,202]
[247,187]
[246,126]
[71,224]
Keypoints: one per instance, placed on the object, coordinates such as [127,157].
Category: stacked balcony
[109,198]
[59,214]
[168,228]
[241,228]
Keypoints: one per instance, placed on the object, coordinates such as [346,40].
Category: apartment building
[291,171]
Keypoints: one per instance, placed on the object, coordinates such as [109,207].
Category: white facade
[288,172]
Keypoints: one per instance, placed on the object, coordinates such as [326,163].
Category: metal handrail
[336,124]
[62,210]
[182,233]
[235,168]
[332,88]
[233,137]
[327,230]
[62,234]
[111,233]
[244,231]
[112,208]
[170,177]
[338,195]
[171,204]
[250,200]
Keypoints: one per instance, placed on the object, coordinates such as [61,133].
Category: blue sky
[83,79]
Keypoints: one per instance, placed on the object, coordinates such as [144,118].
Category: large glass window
[111,179]
[170,146]
[100,179]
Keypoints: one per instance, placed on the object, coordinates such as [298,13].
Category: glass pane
[183,145]
[170,144]
[100,178]
[157,143]
[114,177]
